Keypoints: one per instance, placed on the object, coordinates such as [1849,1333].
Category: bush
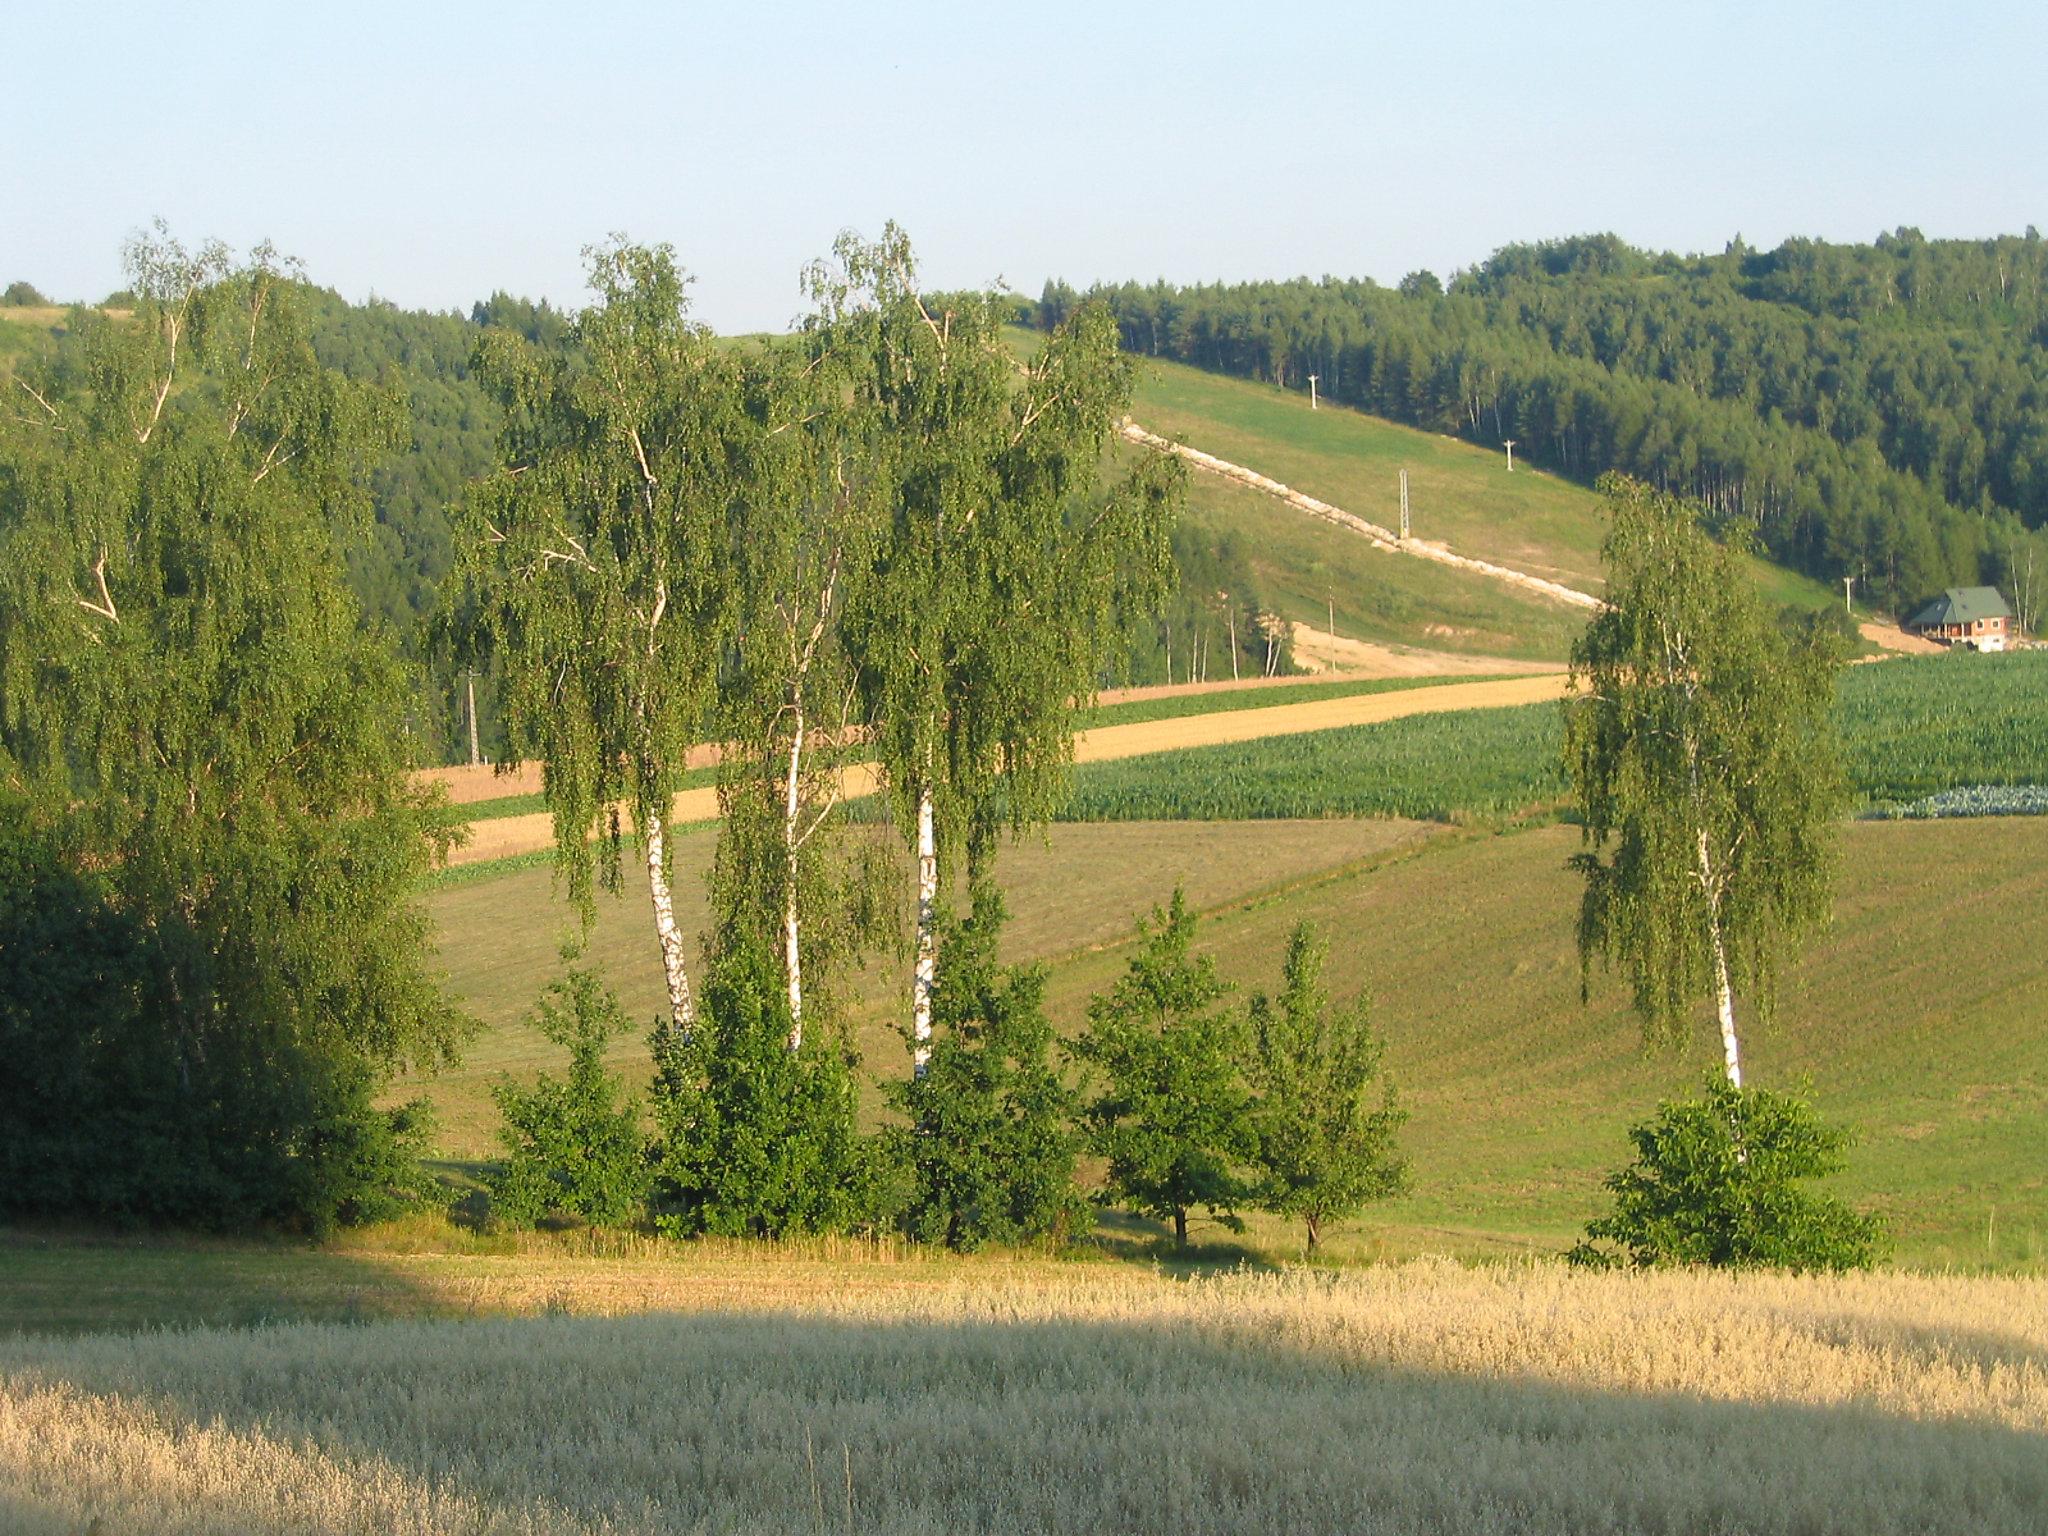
[757,1140]
[22,296]
[573,1147]
[129,1099]
[988,1154]
[1716,1182]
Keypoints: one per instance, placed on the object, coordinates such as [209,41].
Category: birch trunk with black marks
[1724,992]
[926,972]
[682,1012]
[792,932]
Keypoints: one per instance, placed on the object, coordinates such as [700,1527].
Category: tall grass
[1419,1398]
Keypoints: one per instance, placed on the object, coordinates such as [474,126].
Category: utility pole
[1404,506]
[1312,391]
[1510,444]
[1848,585]
[475,757]
[1333,630]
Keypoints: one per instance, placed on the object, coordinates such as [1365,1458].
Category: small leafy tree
[1700,740]
[22,295]
[1716,1182]
[989,1147]
[756,1139]
[1325,1115]
[572,1146]
[1174,1117]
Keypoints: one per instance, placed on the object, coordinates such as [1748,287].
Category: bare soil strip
[511,835]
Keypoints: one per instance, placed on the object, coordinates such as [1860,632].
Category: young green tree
[1699,737]
[989,1139]
[1174,1117]
[600,556]
[1325,1114]
[198,725]
[572,1145]
[977,626]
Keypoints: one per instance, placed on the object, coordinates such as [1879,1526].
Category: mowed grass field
[1041,1398]
[1915,1019]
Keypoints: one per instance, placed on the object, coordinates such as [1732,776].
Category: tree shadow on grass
[755,1421]
[72,1280]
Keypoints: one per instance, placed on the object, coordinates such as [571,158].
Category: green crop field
[1910,727]
[1479,762]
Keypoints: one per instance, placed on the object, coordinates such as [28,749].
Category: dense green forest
[1877,410]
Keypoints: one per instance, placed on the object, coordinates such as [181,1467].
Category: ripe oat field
[1036,1398]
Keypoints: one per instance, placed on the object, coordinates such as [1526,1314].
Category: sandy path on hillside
[509,835]
[1369,658]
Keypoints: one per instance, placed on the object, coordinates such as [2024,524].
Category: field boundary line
[1381,538]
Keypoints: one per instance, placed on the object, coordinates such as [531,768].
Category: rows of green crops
[1910,729]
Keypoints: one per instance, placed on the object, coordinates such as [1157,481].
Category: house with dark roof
[1972,616]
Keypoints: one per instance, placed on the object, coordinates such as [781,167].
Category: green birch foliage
[572,1145]
[1325,1113]
[1716,1181]
[978,626]
[989,1141]
[755,1139]
[1701,748]
[193,714]
[1174,1117]
[599,554]
[810,504]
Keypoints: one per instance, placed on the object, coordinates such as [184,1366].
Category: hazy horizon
[432,157]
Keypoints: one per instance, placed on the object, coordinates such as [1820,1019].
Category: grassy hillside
[1520,1095]
[1459,494]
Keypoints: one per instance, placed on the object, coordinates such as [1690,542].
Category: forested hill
[1876,410]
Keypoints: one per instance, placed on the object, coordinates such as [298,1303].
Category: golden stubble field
[1044,1397]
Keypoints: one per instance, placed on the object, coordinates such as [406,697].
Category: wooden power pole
[1404,506]
[1510,445]
[475,756]
[1312,391]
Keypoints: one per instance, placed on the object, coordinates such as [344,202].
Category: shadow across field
[749,1421]
[68,1281]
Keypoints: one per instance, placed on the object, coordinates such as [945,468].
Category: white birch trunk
[792,950]
[1724,993]
[926,972]
[681,1011]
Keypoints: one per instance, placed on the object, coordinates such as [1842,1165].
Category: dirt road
[509,835]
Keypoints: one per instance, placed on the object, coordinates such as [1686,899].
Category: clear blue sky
[432,152]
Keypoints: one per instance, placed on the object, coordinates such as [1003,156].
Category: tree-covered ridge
[1878,411]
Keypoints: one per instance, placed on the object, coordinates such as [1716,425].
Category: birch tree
[601,556]
[1699,738]
[198,727]
[977,628]
[791,707]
